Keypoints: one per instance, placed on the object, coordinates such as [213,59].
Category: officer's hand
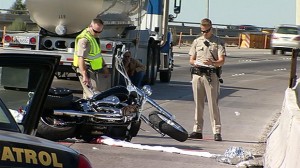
[86,80]
[208,62]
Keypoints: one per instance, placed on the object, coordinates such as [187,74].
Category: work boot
[218,137]
[195,135]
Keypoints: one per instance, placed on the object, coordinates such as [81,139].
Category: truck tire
[167,126]
[165,76]
[152,62]
[46,128]
[273,50]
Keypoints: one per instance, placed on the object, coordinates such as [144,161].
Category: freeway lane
[251,97]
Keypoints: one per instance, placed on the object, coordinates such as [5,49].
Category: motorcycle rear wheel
[167,126]
[46,128]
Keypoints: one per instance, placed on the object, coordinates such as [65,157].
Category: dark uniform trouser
[202,89]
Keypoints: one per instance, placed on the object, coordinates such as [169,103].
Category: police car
[21,75]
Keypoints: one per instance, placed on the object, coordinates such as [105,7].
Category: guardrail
[186,32]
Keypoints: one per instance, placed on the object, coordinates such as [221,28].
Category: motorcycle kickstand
[145,119]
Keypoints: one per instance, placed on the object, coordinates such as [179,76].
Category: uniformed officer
[207,55]
[88,60]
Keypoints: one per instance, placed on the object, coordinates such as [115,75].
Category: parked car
[22,75]
[285,38]
[250,28]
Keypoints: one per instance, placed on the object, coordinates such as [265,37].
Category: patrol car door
[21,74]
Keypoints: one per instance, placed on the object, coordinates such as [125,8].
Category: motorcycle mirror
[177,6]
[147,90]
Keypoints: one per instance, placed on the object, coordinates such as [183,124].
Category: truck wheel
[152,62]
[273,51]
[165,76]
[167,126]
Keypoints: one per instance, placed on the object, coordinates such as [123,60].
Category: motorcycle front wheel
[167,126]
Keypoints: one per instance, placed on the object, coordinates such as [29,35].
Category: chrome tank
[71,16]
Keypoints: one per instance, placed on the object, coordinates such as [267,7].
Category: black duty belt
[207,71]
[203,70]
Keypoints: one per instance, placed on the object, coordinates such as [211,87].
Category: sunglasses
[206,31]
[95,31]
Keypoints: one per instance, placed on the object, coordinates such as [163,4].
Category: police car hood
[31,141]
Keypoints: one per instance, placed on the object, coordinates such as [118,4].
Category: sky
[263,13]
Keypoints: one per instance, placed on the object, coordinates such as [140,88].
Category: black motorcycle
[116,112]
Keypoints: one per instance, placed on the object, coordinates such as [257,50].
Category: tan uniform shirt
[83,48]
[212,51]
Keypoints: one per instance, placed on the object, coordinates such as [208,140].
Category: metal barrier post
[266,41]
[3,34]
[240,38]
[293,75]
[179,41]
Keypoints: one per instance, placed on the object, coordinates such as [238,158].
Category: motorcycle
[116,112]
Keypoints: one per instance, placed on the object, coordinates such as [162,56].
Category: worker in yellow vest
[88,61]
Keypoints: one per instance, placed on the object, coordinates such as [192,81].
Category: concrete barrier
[283,143]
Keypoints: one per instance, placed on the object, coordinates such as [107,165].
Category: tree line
[18,8]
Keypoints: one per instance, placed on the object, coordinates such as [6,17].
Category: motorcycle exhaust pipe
[98,115]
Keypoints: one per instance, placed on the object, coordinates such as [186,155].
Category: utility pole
[297,12]
[207,8]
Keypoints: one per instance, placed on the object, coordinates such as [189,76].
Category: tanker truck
[140,25]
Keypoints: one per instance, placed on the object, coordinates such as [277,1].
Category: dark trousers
[136,79]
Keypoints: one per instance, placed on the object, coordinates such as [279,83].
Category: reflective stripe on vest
[94,58]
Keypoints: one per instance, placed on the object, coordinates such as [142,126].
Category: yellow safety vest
[94,58]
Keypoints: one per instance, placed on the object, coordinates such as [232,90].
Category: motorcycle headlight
[147,90]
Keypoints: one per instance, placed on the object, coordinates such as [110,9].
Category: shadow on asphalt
[228,90]
[178,90]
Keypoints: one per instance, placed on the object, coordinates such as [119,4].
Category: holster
[219,71]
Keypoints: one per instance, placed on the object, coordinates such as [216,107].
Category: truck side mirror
[177,6]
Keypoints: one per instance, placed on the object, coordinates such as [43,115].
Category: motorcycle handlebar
[121,69]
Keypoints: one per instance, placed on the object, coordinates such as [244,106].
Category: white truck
[141,25]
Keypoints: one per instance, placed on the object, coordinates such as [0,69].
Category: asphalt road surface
[251,98]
